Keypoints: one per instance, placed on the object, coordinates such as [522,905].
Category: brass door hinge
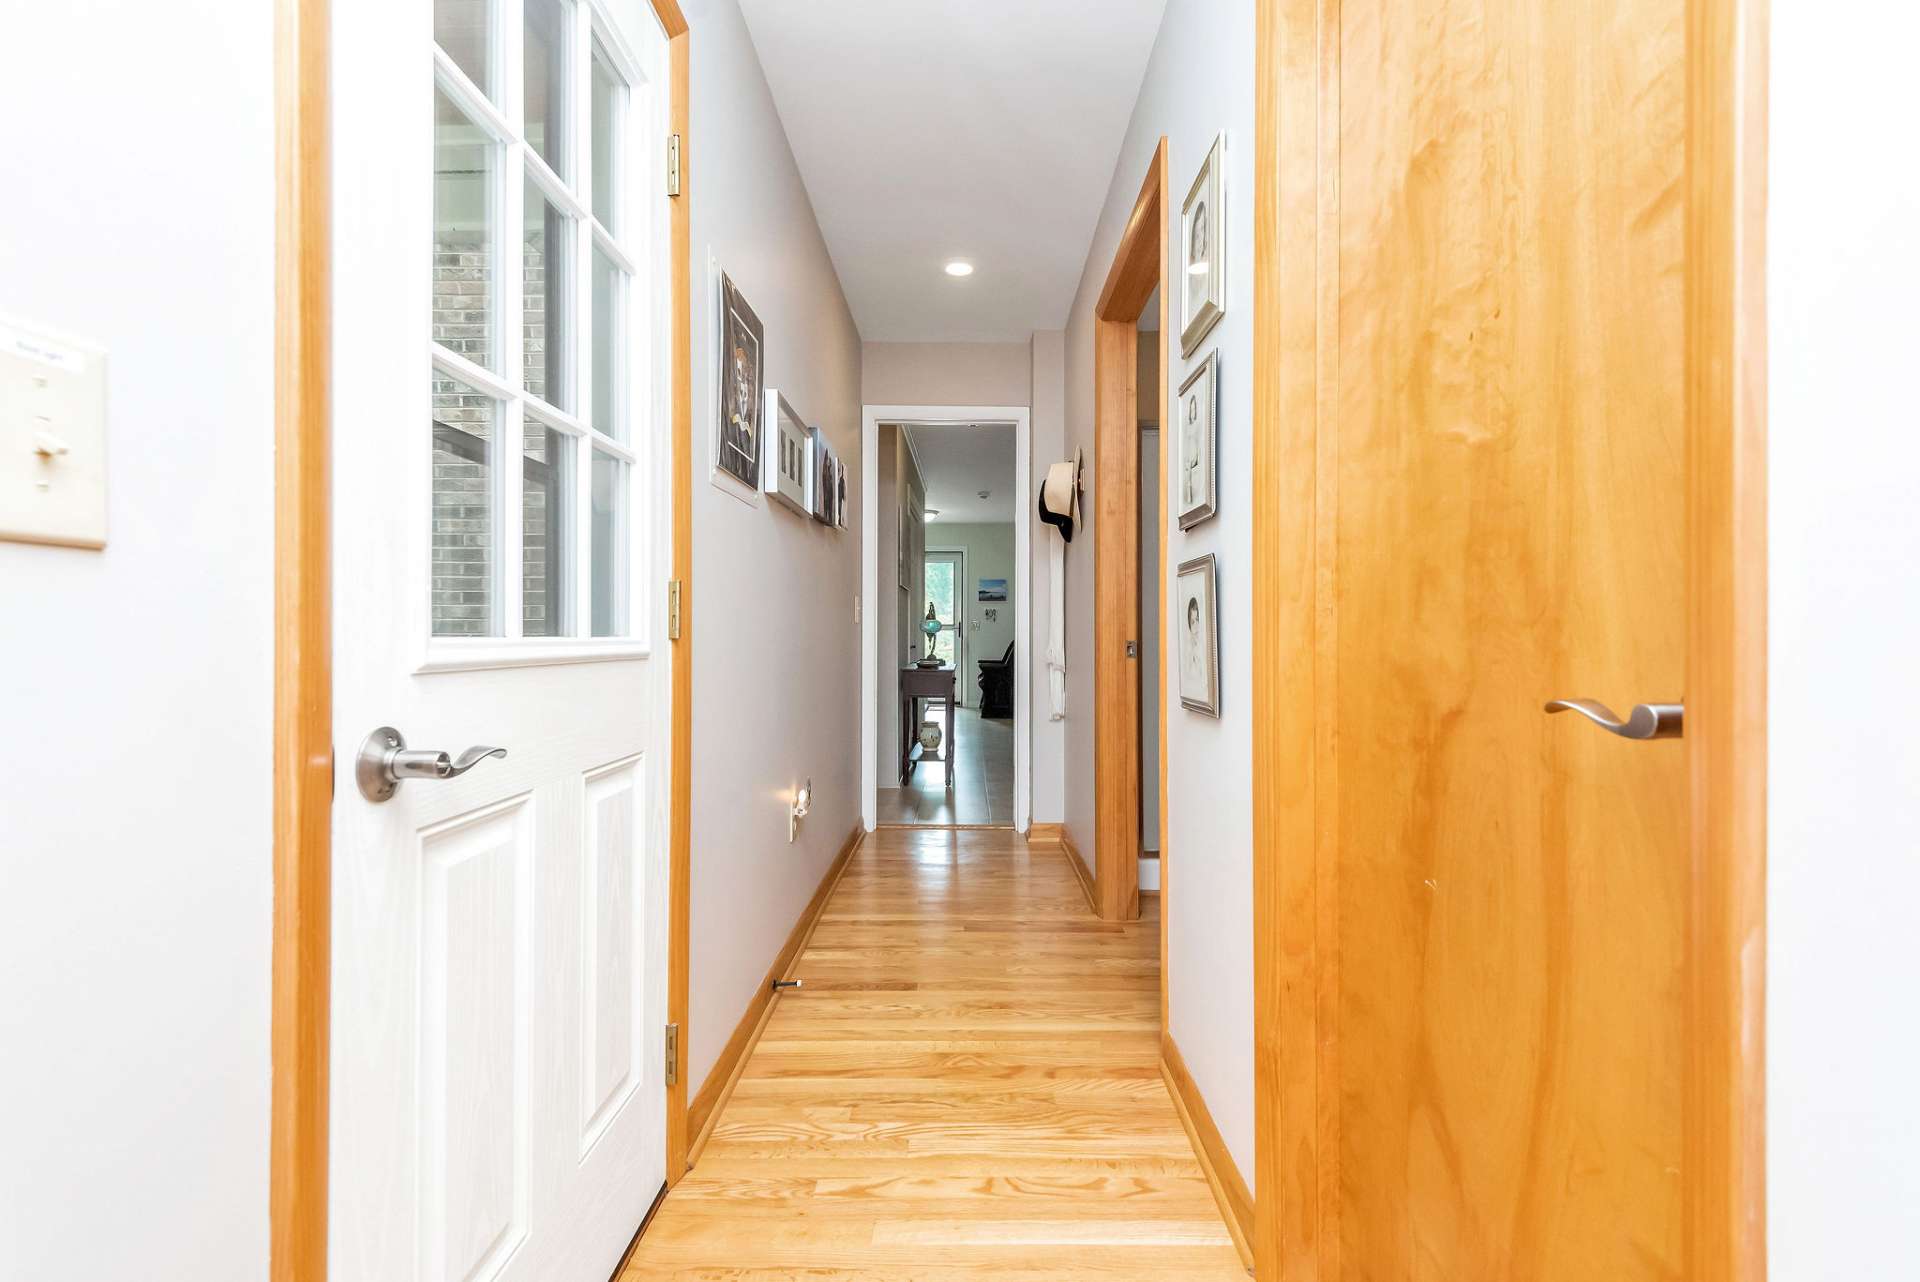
[673,164]
[673,1054]
[673,609]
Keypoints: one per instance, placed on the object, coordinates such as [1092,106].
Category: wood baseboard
[1072,854]
[733,1057]
[1046,834]
[1229,1188]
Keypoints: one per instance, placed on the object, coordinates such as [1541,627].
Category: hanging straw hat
[1060,497]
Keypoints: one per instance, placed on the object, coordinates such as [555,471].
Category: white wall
[1049,427]
[945,373]
[761,571]
[1199,81]
[1843,965]
[135,731]
[990,555]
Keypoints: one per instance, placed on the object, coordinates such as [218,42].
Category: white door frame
[934,415]
[962,652]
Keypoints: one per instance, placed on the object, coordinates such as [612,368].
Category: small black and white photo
[787,458]
[840,495]
[1197,634]
[1198,443]
[1203,235]
[741,396]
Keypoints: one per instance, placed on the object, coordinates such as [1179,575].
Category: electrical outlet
[856,609]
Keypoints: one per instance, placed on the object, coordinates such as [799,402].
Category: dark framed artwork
[740,422]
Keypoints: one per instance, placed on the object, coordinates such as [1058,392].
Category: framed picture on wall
[840,502]
[1197,473]
[1197,629]
[1203,243]
[787,458]
[740,399]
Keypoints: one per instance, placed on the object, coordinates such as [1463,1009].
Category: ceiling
[941,129]
[957,461]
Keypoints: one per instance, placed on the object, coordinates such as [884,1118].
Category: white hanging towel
[1057,625]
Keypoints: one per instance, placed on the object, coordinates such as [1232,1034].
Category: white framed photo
[1197,629]
[739,401]
[786,471]
[1203,243]
[840,502]
[1197,476]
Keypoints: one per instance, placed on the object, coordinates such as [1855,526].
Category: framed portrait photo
[1196,628]
[1197,467]
[786,469]
[740,402]
[840,501]
[1203,243]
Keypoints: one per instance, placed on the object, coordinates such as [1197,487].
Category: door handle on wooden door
[385,762]
[1646,721]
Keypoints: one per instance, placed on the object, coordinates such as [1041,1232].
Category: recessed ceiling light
[959,267]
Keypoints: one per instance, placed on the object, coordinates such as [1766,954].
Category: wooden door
[500,444]
[1486,1028]
[1511,479]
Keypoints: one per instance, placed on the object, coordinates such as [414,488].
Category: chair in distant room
[996,685]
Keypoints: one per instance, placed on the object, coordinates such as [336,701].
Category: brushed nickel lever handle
[385,761]
[1646,721]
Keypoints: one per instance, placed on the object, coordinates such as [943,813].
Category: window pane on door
[464,29]
[466,425]
[941,590]
[546,293]
[546,514]
[546,89]
[607,100]
[610,575]
[464,216]
[609,318]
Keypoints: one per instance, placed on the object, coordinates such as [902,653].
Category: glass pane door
[944,591]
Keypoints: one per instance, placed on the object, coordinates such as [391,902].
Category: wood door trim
[1296,958]
[1724,1128]
[680,649]
[301,1004]
[1139,262]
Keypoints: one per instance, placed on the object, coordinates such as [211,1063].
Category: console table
[917,685]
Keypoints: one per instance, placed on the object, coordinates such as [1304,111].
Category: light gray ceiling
[957,461]
[940,129]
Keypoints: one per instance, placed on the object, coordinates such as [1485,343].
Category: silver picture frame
[1196,630]
[1203,244]
[1197,444]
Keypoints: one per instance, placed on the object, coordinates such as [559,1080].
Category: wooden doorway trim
[1296,959]
[303,767]
[680,648]
[302,644]
[1139,266]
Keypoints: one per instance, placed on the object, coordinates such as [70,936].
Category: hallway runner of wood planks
[967,1087]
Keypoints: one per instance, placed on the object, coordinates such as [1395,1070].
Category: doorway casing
[936,416]
[1139,267]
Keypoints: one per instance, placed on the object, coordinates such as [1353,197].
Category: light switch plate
[53,438]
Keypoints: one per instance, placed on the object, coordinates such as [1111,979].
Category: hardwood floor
[967,1087]
[982,781]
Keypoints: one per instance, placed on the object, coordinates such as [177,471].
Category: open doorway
[1149,400]
[944,608]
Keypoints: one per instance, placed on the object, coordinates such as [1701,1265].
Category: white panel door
[500,444]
